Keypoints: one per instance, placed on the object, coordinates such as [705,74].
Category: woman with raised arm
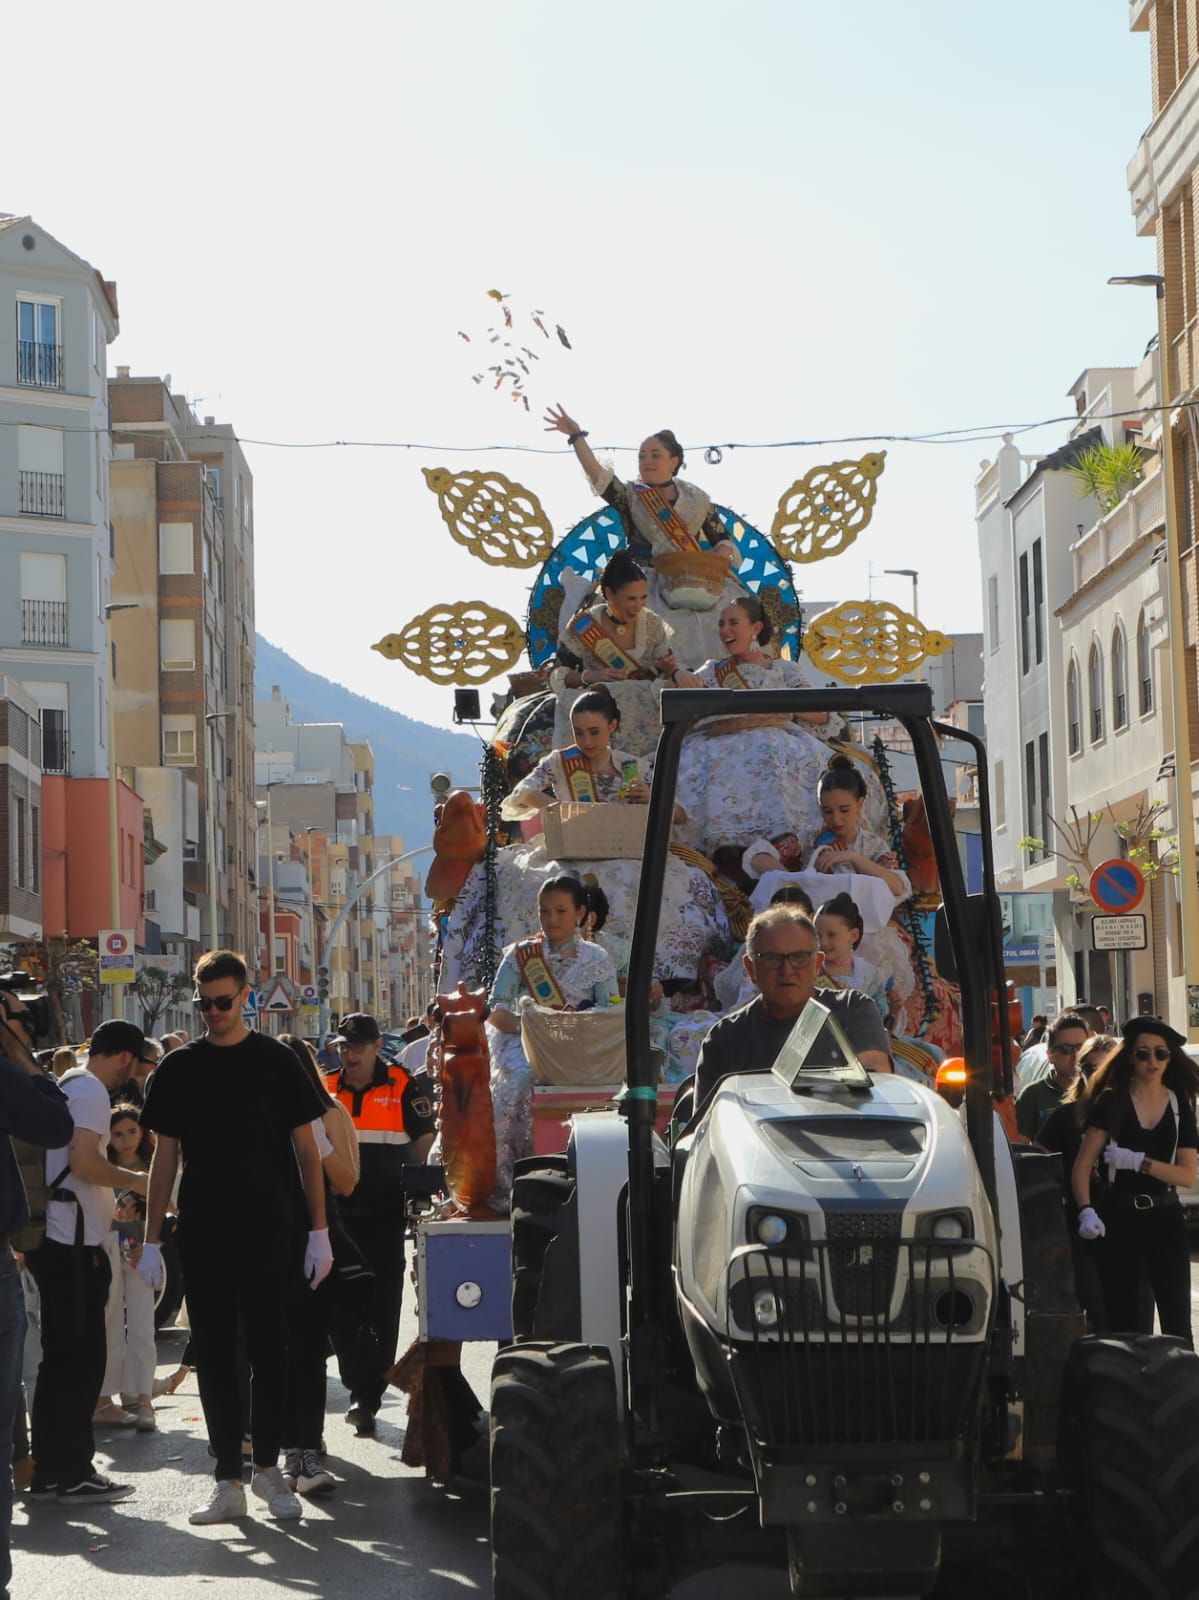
[673,524]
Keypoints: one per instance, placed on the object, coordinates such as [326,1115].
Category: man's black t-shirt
[749,1041]
[1115,1114]
[233,1109]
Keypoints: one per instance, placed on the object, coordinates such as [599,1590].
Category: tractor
[830,1324]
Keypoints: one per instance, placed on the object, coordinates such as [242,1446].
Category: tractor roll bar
[911,706]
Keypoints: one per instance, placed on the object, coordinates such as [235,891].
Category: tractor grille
[865,1338]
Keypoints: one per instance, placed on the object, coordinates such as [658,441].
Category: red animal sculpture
[918,847]
[460,1066]
[459,840]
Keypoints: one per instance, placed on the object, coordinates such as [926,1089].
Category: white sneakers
[267,1483]
[228,1502]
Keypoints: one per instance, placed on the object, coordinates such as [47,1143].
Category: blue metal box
[465,1280]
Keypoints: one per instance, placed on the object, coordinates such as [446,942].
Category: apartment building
[20,815]
[401,934]
[181,704]
[57,318]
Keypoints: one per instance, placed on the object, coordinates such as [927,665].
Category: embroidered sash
[593,636]
[727,669]
[666,516]
[540,981]
[579,781]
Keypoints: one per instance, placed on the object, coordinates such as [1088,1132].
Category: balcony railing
[39,365]
[56,748]
[44,622]
[41,494]
[1141,511]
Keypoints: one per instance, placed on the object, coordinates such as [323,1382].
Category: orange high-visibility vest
[378,1109]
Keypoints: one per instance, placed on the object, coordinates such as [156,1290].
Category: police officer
[392,1110]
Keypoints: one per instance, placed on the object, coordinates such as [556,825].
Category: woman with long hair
[1138,1113]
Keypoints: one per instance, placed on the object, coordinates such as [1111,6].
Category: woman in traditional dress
[557,969]
[693,921]
[666,518]
[622,644]
[843,843]
[747,778]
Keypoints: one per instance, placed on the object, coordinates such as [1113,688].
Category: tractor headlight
[770,1228]
[947,1228]
[774,1228]
[766,1308]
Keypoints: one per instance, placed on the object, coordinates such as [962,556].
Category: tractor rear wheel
[1130,1448]
[556,1508]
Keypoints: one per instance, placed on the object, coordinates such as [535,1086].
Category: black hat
[358,1028]
[111,1038]
[1136,1026]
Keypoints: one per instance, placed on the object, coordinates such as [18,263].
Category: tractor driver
[782,956]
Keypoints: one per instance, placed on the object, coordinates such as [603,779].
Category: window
[176,548]
[39,344]
[44,599]
[1144,669]
[1024,609]
[35,849]
[280,954]
[101,717]
[1119,681]
[18,841]
[1073,708]
[52,702]
[1095,693]
[177,645]
[1038,601]
[993,612]
[1030,795]
[1186,493]
[179,741]
[41,483]
[1046,827]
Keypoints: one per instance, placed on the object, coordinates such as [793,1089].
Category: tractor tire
[1053,1319]
[545,1253]
[1130,1450]
[556,1505]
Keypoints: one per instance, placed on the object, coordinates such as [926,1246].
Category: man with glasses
[1066,1037]
[238,1108]
[783,957]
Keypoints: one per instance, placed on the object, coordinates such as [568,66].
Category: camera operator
[32,1108]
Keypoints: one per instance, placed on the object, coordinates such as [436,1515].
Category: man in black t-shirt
[239,1109]
[783,957]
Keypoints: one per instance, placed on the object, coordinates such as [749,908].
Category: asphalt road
[384,1532]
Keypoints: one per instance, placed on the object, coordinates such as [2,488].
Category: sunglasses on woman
[222,1002]
[1158,1053]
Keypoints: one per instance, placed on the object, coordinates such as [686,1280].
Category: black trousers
[251,1279]
[380,1238]
[1156,1241]
[307,1355]
[73,1286]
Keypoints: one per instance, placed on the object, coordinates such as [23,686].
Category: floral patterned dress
[757,782]
[584,973]
[638,698]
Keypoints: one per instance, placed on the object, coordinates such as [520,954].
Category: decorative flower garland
[907,914]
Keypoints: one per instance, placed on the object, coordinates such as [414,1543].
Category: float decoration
[500,522]
[823,512]
[465,643]
[870,641]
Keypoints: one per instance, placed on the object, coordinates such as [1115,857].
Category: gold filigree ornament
[499,521]
[823,512]
[869,641]
[465,643]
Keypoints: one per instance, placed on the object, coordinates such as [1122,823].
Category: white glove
[324,1144]
[1120,1160]
[318,1257]
[150,1268]
[1090,1225]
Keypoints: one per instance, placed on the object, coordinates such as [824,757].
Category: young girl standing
[839,929]
[129,1320]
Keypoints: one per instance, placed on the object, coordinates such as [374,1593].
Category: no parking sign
[1117,886]
[116,955]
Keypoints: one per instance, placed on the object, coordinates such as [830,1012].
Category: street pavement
[385,1532]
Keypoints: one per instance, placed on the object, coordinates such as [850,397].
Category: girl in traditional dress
[839,930]
[843,844]
[665,517]
[587,771]
[622,644]
[747,778]
[557,969]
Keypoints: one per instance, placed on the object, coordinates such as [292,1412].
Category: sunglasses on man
[221,1002]
[773,960]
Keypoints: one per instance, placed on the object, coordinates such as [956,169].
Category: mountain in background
[406,752]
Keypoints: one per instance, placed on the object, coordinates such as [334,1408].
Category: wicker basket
[691,580]
[574,1047]
[595,832]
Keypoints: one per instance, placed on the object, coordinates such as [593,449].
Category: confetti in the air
[512,361]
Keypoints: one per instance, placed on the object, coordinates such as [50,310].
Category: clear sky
[761,220]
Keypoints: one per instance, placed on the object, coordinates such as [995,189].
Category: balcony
[39,366]
[44,622]
[1141,511]
[41,494]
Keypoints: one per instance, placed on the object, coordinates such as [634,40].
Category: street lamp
[1184,802]
[910,572]
[114,832]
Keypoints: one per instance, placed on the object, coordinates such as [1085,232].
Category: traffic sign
[308,995]
[1119,933]
[277,998]
[1117,886]
[116,955]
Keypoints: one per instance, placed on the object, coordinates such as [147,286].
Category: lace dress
[584,973]
[638,698]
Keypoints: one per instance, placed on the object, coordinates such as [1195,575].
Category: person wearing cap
[392,1109]
[72,1273]
[1138,1113]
